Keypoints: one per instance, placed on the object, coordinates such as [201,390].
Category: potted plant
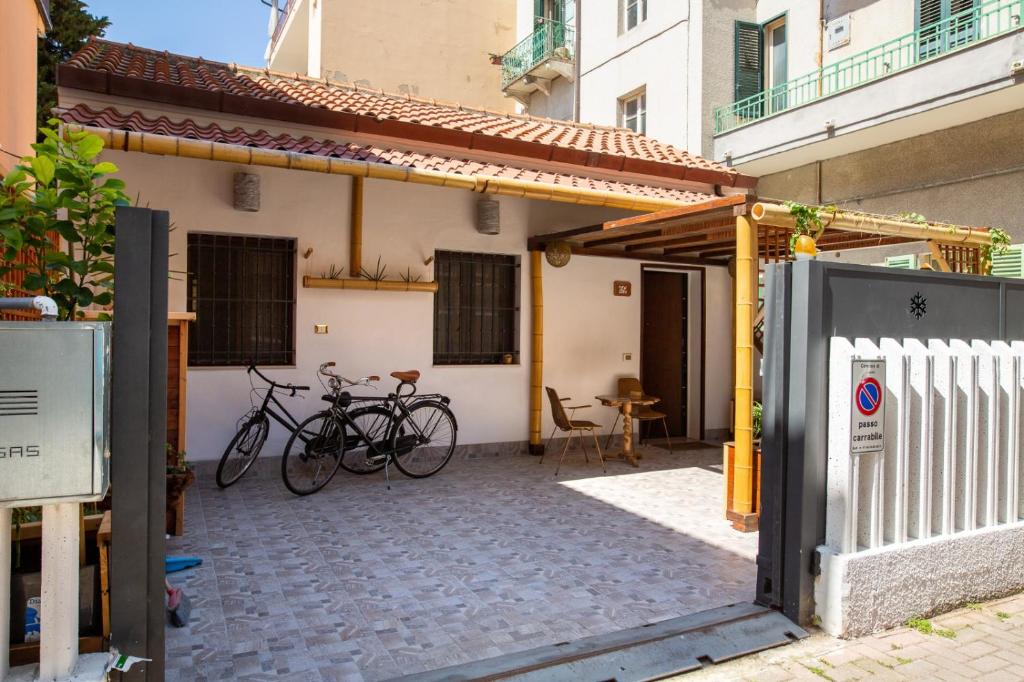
[744,522]
[180,476]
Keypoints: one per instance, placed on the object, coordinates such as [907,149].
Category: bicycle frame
[398,408]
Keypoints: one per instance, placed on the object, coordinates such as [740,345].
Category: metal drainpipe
[46,306]
[577,85]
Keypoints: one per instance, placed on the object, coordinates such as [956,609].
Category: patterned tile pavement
[491,556]
[980,642]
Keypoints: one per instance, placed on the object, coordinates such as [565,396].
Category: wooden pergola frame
[741,229]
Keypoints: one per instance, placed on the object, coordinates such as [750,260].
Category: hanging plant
[808,221]
[1000,244]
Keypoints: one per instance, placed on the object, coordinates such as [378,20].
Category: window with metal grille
[476,309]
[242,290]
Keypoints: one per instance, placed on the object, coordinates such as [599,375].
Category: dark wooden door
[663,361]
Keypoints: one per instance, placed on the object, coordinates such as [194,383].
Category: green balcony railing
[551,38]
[986,20]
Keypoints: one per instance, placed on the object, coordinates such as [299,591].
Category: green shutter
[908,262]
[748,71]
[1009,264]
[538,9]
[929,11]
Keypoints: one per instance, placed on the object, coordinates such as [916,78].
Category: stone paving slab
[980,642]
[493,555]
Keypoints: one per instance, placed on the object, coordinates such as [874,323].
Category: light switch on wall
[319,328]
[626,357]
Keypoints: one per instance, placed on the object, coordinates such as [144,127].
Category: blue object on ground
[173,564]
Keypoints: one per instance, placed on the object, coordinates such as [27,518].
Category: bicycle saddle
[409,377]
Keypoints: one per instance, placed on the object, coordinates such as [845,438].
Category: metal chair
[645,413]
[565,423]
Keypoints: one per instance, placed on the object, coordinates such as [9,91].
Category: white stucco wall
[653,55]
[587,329]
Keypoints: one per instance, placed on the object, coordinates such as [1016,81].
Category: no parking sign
[867,413]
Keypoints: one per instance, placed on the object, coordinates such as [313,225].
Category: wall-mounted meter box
[54,412]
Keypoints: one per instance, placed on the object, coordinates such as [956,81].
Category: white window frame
[641,14]
[640,118]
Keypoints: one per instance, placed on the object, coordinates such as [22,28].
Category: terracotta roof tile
[260,84]
[134,121]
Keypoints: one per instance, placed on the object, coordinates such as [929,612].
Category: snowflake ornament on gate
[918,305]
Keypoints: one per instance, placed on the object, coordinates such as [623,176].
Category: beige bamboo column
[356,250]
[746,300]
[536,350]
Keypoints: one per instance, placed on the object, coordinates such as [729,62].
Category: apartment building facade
[655,67]
[879,105]
[437,49]
[888,106]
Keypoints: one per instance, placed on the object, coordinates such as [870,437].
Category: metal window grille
[476,308]
[242,290]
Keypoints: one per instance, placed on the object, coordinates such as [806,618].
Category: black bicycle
[364,434]
[253,428]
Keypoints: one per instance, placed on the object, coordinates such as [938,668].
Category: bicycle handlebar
[273,384]
[365,381]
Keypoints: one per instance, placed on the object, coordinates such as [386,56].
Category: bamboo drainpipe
[746,291]
[356,250]
[536,351]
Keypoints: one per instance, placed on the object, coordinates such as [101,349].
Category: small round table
[625,404]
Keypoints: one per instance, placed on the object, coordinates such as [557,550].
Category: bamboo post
[938,257]
[746,292]
[356,250]
[536,351]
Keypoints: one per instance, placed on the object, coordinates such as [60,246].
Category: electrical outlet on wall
[626,357]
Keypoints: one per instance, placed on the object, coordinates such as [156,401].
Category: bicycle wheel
[372,421]
[313,454]
[243,450]
[424,439]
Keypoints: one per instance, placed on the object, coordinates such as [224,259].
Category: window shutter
[908,262]
[1009,264]
[928,12]
[538,9]
[749,74]
[957,6]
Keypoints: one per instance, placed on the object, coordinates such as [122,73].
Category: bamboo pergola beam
[848,221]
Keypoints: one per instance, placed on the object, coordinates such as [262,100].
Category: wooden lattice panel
[963,259]
[773,243]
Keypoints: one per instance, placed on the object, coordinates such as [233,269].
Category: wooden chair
[565,423]
[642,414]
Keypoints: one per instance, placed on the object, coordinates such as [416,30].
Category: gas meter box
[54,412]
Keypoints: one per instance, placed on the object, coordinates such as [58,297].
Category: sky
[218,30]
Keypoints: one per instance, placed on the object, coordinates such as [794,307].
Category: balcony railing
[282,19]
[551,38]
[986,20]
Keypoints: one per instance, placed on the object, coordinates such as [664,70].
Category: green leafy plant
[1000,244]
[925,627]
[809,221]
[63,189]
[911,217]
[176,461]
[757,412]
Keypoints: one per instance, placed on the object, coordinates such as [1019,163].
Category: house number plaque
[621,288]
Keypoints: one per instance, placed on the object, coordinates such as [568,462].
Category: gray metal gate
[807,303]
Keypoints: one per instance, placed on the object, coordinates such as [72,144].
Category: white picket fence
[951,460]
